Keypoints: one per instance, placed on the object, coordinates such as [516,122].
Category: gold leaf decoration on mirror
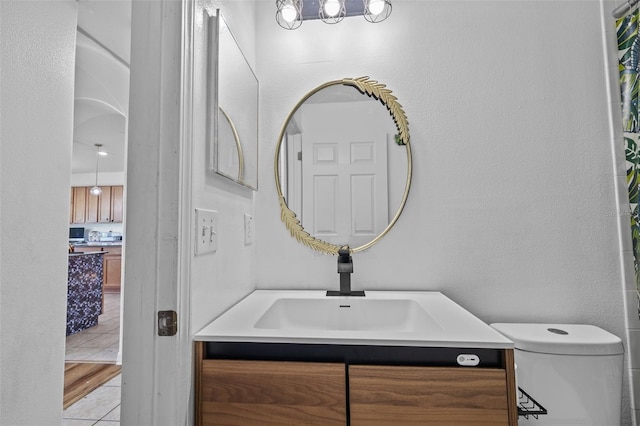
[297,231]
[380,92]
[373,90]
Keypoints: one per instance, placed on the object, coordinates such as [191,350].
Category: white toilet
[574,371]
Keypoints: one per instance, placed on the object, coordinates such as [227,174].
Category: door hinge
[299,155]
[167,323]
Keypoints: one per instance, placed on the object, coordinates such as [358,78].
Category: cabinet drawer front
[269,392]
[112,250]
[383,395]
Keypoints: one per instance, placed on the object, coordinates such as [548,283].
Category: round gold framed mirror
[343,165]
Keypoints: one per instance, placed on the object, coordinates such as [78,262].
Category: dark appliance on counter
[77,234]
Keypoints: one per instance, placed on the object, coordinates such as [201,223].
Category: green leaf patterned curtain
[629,67]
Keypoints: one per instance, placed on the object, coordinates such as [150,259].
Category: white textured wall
[222,278]
[37,54]
[106,179]
[512,211]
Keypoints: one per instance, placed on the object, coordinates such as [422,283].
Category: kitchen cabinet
[104,208]
[112,269]
[93,205]
[117,204]
[246,390]
[78,204]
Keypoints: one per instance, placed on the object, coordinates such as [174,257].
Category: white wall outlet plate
[249,230]
[206,231]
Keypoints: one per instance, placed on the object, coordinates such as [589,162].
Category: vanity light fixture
[96,190]
[291,13]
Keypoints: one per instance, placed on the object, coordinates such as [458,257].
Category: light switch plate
[249,230]
[206,231]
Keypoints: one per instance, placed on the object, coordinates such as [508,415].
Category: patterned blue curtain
[628,65]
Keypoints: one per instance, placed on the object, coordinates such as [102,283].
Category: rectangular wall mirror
[232,107]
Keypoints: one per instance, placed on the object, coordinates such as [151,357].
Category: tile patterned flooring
[101,407]
[97,344]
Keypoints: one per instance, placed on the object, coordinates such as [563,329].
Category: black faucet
[345,269]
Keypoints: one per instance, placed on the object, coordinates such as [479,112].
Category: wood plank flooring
[82,378]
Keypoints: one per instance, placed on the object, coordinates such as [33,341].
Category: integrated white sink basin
[355,313]
[394,318]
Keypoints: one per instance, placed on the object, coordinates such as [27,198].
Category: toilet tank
[572,370]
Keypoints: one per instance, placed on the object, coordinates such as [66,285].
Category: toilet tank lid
[561,339]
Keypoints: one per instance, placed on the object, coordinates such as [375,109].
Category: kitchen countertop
[98,243]
[87,253]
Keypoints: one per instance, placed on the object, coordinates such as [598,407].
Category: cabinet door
[117,203]
[78,204]
[112,272]
[384,395]
[248,393]
[104,205]
[93,205]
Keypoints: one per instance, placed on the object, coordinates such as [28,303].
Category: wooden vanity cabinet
[248,393]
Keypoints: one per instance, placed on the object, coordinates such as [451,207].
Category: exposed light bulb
[289,13]
[96,190]
[332,8]
[376,7]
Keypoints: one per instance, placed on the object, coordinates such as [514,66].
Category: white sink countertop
[391,318]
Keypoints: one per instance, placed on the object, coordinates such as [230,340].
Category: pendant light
[96,190]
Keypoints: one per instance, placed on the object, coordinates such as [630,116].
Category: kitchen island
[84,290]
[112,262]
